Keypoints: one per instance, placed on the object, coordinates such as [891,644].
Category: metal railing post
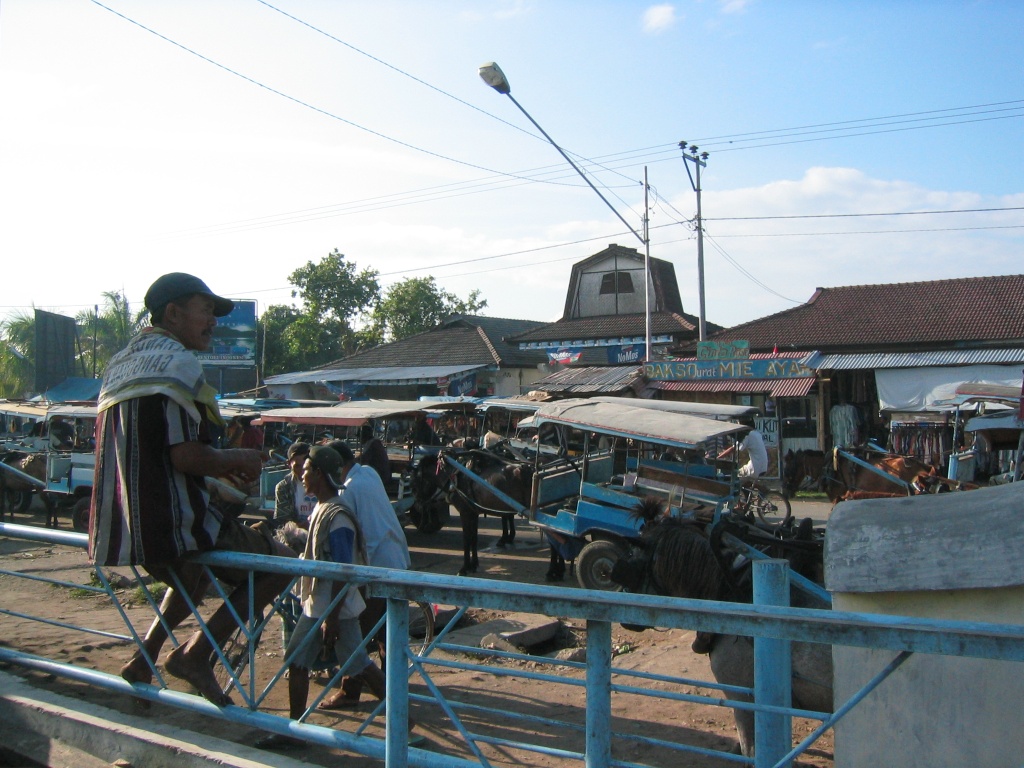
[773,731]
[396,672]
[599,693]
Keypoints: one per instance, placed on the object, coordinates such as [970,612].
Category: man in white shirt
[757,455]
[386,547]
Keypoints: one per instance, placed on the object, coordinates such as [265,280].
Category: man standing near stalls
[291,500]
[150,505]
[363,492]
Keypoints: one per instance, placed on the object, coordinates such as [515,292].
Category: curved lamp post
[491,74]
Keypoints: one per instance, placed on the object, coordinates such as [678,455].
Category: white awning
[923,389]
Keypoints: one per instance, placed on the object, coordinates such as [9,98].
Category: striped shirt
[144,511]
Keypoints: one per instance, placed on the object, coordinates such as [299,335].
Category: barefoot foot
[198,674]
[137,670]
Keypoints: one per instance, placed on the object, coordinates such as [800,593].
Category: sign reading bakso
[697,370]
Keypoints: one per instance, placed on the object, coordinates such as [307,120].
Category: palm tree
[110,330]
[17,353]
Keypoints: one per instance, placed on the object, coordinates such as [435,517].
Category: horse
[802,469]
[676,558]
[15,492]
[846,479]
[434,478]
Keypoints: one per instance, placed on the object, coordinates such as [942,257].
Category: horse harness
[453,489]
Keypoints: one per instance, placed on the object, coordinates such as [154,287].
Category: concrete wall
[950,556]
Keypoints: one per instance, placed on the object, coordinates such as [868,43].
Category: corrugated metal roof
[874,360]
[795,387]
[415,374]
[590,380]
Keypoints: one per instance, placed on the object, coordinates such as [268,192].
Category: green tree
[111,329]
[418,304]
[296,341]
[333,289]
[17,355]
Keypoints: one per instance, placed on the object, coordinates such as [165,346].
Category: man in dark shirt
[150,503]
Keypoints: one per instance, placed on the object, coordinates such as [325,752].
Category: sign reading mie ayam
[729,360]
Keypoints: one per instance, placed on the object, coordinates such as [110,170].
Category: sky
[849,143]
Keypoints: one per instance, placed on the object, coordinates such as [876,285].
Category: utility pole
[699,161]
[647,272]
[95,324]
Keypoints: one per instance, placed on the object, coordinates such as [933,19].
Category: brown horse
[803,469]
[433,478]
[16,493]
[896,476]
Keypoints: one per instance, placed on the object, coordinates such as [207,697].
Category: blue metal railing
[773,625]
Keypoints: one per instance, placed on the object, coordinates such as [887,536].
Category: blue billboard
[234,338]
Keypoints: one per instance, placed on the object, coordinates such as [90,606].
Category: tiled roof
[933,314]
[614,326]
[468,339]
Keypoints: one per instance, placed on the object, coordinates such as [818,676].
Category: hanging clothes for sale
[845,421]
[928,441]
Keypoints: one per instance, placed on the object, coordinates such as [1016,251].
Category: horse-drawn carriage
[55,461]
[583,472]
[392,422]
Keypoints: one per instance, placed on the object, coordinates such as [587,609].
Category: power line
[424,83]
[745,272]
[868,133]
[757,135]
[879,231]
[306,104]
[860,215]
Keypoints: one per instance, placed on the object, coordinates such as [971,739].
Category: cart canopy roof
[649,425]
[72,411]
[357,412]
[707,410]
[510,404]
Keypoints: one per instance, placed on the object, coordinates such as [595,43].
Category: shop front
[903,400]
[777,384]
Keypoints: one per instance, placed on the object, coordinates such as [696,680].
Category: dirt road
[658,652]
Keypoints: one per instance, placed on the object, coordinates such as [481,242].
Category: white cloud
[734,6]
[793,256]
[658,18]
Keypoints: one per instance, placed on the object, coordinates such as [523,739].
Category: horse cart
[55,461]
[392,422]
[628,452]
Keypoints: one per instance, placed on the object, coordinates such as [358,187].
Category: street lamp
[492,75]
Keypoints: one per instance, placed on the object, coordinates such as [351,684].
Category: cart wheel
[421,626]
[18,501]
[595,562]
[773,508]
[431,518]
[80,515]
